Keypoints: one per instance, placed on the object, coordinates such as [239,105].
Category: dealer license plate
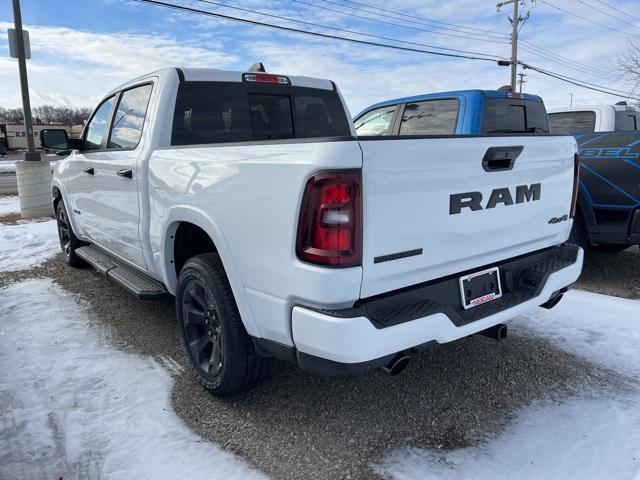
[480,287]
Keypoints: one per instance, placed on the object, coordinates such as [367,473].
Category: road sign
[13,43]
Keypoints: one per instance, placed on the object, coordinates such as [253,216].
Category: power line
[580,83]
[578,68]
[602,12]
[566,59]
[617,9]
[415,17]
[413,20]
[466,35]
[564,78]
[184,8]
[589,20]
[355,32]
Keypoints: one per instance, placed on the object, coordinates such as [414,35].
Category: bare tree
[629,64]
[11,115]
[47,114]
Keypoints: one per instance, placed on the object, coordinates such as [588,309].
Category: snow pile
[585,438]
[9,166]
[27,244]
[9,204]
[72,406]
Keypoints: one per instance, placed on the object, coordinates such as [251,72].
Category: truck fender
[175,216]
[56,184]
[585,207]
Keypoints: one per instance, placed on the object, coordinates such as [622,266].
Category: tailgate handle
[498,159]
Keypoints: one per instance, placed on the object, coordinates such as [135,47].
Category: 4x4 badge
[563,218]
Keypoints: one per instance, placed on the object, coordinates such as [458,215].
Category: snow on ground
[27,243]
[9,166]
[73,406]
[9,204]
[592,437]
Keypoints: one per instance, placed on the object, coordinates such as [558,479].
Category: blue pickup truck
[464,112]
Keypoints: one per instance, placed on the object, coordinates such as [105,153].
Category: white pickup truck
[248,197]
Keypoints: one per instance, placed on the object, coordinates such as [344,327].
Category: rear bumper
[379,327]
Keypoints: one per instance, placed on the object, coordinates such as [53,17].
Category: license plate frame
[476,288]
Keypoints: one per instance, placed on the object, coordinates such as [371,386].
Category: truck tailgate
[431,209]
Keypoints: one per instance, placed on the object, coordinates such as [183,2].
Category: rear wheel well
[190,240]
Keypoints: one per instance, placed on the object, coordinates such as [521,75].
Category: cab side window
[98,126]
[129,117]
[433,117]
[376,122]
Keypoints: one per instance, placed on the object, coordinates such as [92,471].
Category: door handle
[125,172]
[88,170]
[500,158]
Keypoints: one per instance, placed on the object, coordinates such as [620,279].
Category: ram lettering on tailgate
[473,200]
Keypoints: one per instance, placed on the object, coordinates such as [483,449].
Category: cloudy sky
[83,48]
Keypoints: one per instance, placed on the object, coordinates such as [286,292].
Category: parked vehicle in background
[464,112]
[608,139]
[593,119]
[281,234]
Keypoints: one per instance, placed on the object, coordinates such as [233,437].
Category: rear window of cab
[223,112]
[511,115]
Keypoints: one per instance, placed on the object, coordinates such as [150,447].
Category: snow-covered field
[594,437]
[79,408]
[25,244]
[8,205]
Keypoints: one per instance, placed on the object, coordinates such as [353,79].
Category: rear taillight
[330,224]
[576,185]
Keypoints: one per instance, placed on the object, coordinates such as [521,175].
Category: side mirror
[54,139]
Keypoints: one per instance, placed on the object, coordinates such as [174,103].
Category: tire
[68,240]
[609,247]
[220,350]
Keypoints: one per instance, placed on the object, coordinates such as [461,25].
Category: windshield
[220,112]
[510,115]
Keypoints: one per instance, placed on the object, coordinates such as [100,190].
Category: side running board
[140,285]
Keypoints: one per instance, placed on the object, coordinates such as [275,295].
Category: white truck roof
[217,75]
[605,115]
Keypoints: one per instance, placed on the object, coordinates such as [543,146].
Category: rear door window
[376,122]
[509,115]
[571,123]
[129,117]
[221,112]
[432,117]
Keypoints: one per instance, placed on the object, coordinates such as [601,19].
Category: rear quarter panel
[247,197]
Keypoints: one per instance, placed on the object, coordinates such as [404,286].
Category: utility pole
[515,23]
[522,81]
[24,83]
[571,99]
[33,176]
